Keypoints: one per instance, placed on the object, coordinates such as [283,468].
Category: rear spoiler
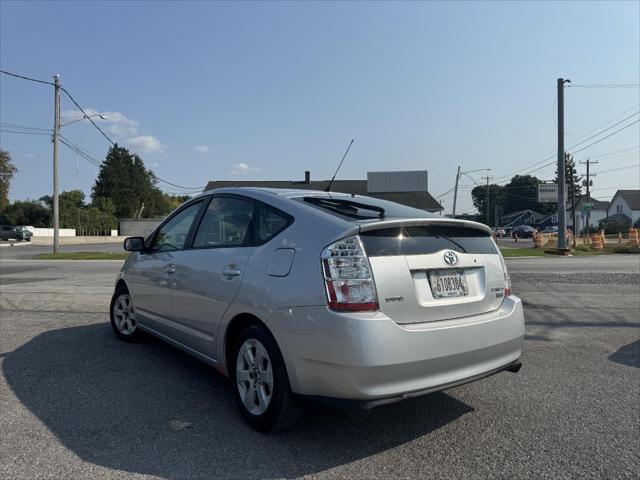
[367,227]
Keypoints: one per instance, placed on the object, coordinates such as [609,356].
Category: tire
[123,320]
[266,406]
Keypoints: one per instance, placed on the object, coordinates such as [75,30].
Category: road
[78,403]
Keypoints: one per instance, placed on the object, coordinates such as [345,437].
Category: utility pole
[56,133]
[455,193]
[488,210]
[562,205]
[588,183]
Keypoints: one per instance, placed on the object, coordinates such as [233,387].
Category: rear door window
[424,239]
[269,223]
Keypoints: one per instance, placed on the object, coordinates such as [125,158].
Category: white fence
[71,232]
[48,232]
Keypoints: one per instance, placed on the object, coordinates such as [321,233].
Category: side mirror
[134,244]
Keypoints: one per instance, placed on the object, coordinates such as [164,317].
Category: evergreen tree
[126,182]
[572,179]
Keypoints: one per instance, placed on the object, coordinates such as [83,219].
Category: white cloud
[146,143]
[242,169]
[118,125]
[154,164]
[29,155]
[202,149]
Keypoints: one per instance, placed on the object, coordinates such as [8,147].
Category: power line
[21,132]
[605,85]
[604,138]
[23,127]
[92,122]
[26,78]
[617,153]
[602,131]
[627,167]
[552,156]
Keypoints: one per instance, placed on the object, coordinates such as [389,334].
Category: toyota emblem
[450,257]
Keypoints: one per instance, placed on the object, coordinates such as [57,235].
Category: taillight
[347,277]
[507,278]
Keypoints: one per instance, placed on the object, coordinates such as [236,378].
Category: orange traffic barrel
[633,236]
[596,242]
[538,240]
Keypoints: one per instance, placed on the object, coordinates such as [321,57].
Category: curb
[16,244]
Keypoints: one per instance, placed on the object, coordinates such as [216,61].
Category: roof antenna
[328,189]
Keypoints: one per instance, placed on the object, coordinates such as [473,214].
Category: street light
[85,117]
[56,133]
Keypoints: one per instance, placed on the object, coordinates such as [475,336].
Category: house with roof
[597,212]
[406,187]
[523,217]
[624,206]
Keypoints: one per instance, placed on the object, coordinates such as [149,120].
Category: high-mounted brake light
[347,276]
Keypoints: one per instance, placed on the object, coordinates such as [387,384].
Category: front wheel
[262,389]
[123,317]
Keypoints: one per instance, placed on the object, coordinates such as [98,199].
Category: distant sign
[400,181]
[548,193]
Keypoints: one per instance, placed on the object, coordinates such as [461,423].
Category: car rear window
[425,239]
[360,207]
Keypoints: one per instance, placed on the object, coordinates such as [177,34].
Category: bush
[615,226]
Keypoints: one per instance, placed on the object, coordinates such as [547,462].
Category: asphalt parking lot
[78,403]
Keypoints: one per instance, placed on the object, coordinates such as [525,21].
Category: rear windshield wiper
[345,207]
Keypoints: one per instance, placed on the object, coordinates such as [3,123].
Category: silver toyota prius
[307,295]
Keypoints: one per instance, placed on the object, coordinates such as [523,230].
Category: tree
[7,171]
[29,212]
[74,213]
[572,179]
[521,193]
[129,185]
[496,197]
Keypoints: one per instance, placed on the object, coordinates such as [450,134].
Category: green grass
[580,250]
[84,256]
[522,252]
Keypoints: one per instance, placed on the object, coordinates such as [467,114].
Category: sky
[220,91]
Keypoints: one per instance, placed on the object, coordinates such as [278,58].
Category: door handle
[170,269]
[231,270]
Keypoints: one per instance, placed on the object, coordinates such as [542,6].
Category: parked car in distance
[11,232]
[523,231]
[500,232]
[306,295]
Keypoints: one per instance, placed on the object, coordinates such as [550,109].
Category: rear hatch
[434,269]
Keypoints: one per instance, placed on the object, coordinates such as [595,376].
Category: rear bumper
[368,358]
[348,404]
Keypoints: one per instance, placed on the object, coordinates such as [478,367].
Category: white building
[596,214]
[627,203]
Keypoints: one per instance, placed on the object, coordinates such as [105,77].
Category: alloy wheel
[254,376]
[125,318]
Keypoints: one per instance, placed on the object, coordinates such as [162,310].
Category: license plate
[448,283]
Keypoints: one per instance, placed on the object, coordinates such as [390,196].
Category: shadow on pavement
[151,409]
[627,355]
